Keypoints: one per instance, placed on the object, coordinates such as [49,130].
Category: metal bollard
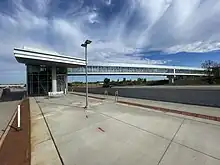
[116,96]
[106,93]
[19,118]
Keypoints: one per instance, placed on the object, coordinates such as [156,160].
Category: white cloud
[166,25]
[179,22]
[42,6]
[198,47]
[92,18]
[108,2]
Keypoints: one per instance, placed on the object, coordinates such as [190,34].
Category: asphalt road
[205,96]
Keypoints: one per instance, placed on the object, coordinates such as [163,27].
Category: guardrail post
[116,96]
[19,118]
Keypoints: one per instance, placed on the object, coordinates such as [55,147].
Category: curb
[191,114]
[2,138]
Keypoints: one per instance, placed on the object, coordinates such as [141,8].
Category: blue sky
[166,32]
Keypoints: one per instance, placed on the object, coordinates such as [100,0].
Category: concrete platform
[203,110]
[124,135]
[43,150]
[177,154]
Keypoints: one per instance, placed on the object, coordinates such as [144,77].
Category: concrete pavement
[166,106]
[121,134]
[43,150]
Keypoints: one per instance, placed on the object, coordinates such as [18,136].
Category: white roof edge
[145,66]
[72,62]
[47,53]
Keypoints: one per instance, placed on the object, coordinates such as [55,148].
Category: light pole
[87,42]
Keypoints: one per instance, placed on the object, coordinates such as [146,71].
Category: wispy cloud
[119,29]
[196,47]
[107,2]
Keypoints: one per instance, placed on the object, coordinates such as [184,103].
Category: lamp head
[88,42]
[83,45]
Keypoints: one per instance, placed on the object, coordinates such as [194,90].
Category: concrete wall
[1,92]
[12,94]
[196,96]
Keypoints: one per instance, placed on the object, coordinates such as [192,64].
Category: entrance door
[39,80]
[61,82]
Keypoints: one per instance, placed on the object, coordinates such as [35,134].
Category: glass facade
[39,79]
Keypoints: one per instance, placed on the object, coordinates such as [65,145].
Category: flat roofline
[32,57]
[48,54]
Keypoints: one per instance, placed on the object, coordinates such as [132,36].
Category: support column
[172,80]
[54,79]
[27,88]
[174,75]
[66,83]
[67,88]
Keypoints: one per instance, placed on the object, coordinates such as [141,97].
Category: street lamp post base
[85,111]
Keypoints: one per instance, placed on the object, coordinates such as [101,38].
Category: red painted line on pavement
[101,129]
[202,116]
[90,96]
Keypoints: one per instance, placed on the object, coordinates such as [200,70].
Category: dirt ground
[16,146]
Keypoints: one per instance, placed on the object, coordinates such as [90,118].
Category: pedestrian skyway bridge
[48,72]
[137,69]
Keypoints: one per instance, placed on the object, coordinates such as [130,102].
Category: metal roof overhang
[40,58]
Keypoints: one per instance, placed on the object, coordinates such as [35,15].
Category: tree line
[139,81]
[212,70]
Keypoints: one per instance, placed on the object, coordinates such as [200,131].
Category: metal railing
[133,70]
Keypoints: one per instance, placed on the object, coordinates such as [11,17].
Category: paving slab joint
[51,135]
[170,142]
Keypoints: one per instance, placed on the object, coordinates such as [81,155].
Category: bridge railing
[114,69]
[121,69]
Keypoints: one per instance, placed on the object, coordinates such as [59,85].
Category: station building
[46,72]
